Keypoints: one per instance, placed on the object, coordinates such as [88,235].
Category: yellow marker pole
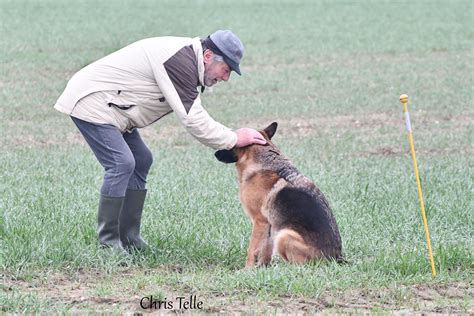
[404,101]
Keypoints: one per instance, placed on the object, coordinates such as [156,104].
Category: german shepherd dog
[290,215]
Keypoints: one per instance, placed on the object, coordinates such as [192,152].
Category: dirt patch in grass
[304,126]
[299,127]
[122,292]
[443,298]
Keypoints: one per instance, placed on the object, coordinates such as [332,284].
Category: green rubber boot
[108,221]
[130,220]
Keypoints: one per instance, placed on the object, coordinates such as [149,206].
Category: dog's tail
[290,246]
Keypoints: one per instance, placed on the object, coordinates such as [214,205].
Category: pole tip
[404,98]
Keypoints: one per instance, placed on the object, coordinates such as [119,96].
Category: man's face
[214,71]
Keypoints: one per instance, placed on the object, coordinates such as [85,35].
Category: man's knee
[126,165]
[144,160]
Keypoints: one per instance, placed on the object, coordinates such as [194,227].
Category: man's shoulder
[183,66]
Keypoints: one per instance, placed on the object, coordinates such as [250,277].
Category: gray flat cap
[230,46]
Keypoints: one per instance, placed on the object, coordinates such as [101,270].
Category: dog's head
[238,155]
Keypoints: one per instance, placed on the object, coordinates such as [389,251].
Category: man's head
[223,52]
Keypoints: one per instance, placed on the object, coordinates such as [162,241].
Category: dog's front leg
[260,229]
[265,249]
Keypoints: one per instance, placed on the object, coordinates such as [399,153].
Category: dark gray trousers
[125,157]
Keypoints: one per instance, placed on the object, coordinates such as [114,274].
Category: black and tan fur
[290,215]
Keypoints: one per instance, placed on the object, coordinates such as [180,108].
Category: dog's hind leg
[291,247]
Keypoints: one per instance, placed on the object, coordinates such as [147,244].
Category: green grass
[330,73]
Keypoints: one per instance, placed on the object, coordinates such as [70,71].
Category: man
[135,87]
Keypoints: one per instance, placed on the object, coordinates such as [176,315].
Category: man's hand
[248,136]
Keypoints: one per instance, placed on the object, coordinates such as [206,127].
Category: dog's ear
[226,156]
[270,130]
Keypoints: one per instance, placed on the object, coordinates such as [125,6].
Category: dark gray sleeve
[182,69]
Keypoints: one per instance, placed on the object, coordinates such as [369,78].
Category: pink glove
[248,136]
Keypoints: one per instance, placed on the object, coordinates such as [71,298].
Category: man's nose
[226,76]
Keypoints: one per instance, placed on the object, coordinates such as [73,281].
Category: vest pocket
[121,106]
[140,108]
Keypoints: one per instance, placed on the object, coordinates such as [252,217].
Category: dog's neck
[272,173]
[275,161]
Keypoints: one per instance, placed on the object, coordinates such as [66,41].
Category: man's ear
[226,156]
[207,56]
[270,130]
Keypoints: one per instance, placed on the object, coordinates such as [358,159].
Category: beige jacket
[145,81]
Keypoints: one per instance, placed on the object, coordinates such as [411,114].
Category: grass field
[330,73]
